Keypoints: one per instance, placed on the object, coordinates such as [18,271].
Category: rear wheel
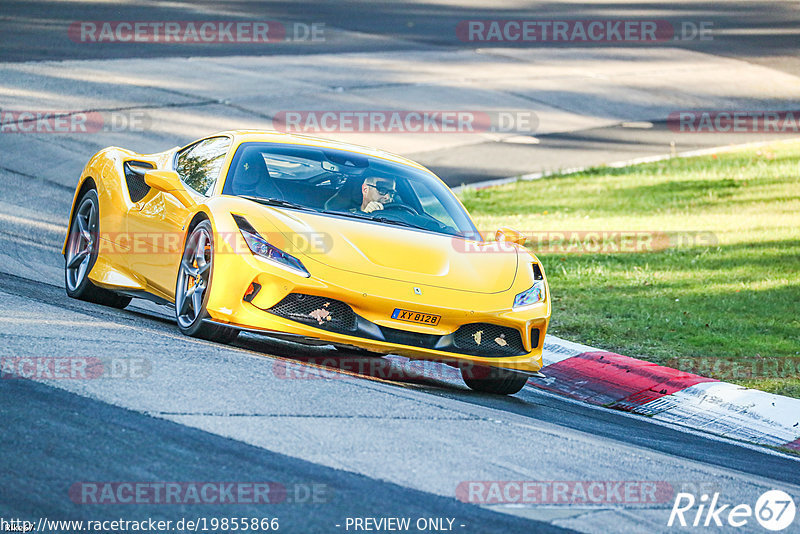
[493,380]
[194,285]
[81,255]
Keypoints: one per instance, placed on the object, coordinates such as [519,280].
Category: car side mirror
[169,182]
[504,233]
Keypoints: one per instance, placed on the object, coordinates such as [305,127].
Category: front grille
[412,339]
[475,339]
[321,312]
[490,340]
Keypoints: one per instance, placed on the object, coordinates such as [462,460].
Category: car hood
[394,252]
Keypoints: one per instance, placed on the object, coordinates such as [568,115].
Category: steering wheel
[398,206]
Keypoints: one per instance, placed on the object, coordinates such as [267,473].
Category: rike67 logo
[774,510]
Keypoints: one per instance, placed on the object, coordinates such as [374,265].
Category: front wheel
[194,285]
[83,246]
[493,380]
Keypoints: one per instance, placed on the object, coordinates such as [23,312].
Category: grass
[720,298]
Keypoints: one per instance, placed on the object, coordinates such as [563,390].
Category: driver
[376,192]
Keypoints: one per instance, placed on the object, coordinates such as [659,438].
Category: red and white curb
[604,378]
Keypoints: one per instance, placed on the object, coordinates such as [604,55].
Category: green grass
[725,305]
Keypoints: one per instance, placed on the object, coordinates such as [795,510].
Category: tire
[81,255]
[193,287]
[493,380]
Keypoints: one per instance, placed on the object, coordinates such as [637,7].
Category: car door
[156,227]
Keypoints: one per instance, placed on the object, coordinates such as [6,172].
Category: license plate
[415,317]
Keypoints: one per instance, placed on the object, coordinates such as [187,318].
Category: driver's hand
[373,206]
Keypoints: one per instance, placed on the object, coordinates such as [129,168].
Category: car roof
[271,136]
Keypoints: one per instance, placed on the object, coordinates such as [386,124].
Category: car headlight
[262,249]
[530,296]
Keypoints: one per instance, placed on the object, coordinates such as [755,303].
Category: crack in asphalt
[32,177]
[206,102]
[385,85]
[25,240]
[317,416]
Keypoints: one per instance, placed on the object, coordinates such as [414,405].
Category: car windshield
[333,182]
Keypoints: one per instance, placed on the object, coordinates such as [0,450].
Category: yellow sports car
[310,240]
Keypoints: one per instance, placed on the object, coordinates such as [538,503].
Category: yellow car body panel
[373,269]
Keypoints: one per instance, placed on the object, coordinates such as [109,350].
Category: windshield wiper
[398,223]
[277,202]
[348,214]
[366,217]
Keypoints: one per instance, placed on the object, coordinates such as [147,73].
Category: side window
[199,165]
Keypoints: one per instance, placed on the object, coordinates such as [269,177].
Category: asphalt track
[258,411]
[760,32]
